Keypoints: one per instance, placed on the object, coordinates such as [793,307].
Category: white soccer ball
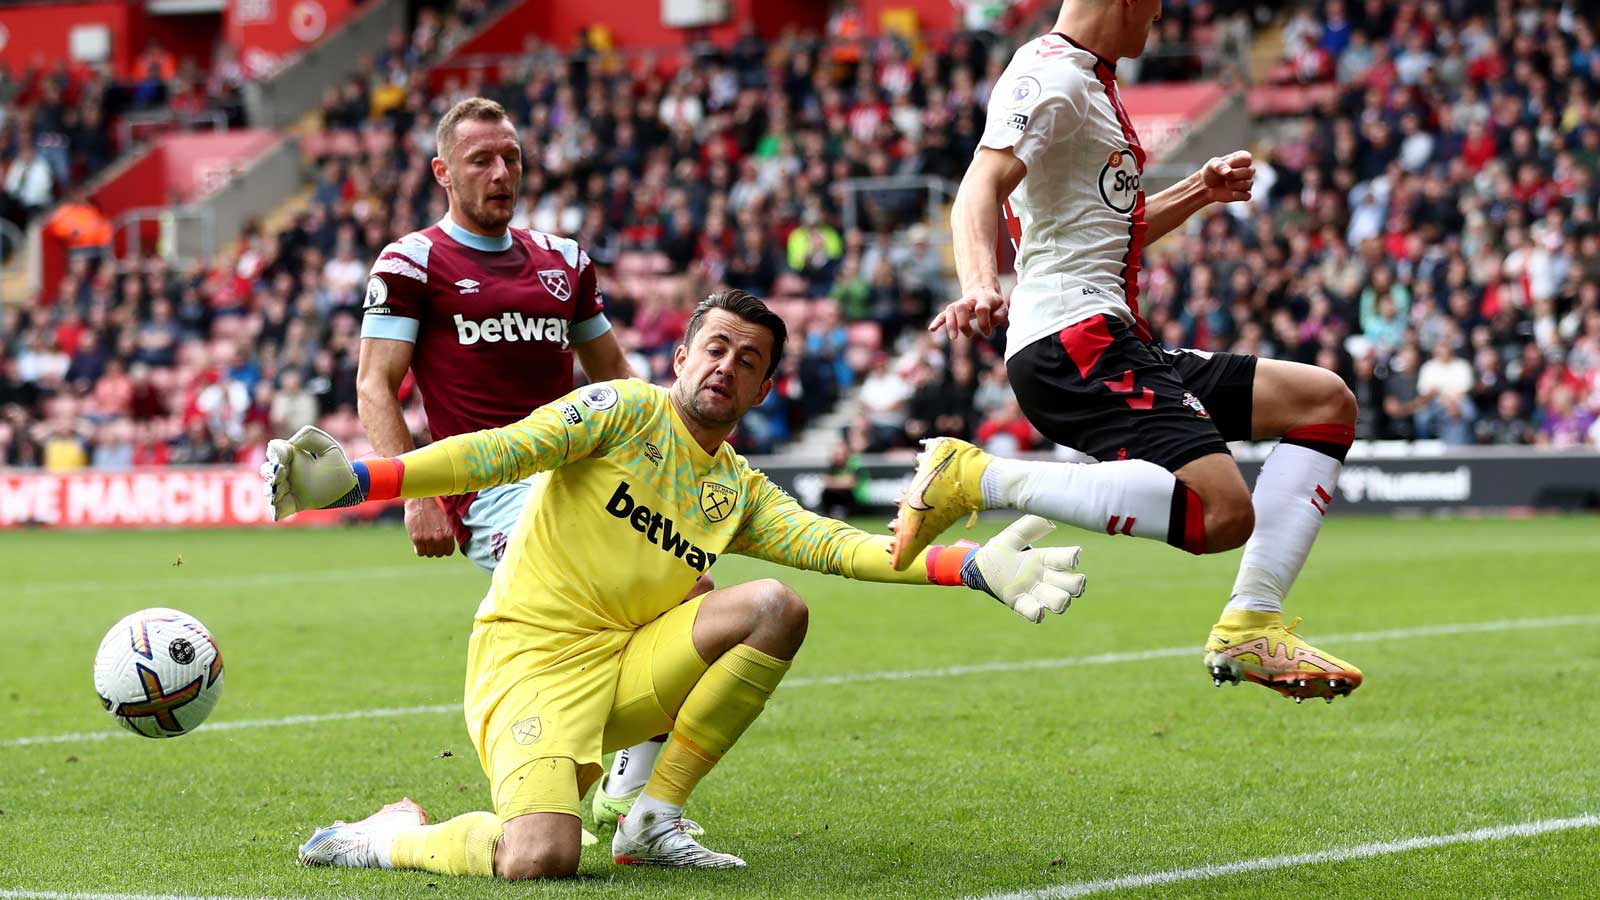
[158,673]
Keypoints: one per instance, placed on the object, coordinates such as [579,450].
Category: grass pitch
[928,743]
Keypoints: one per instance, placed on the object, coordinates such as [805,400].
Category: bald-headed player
[584,642]
[487,317]
[1059,161]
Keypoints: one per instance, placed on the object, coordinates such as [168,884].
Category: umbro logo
[468,286]
[653,453]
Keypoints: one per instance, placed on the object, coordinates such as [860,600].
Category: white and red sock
[1291,497]
[1128,496]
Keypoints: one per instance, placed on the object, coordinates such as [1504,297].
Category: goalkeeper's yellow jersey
[628,510]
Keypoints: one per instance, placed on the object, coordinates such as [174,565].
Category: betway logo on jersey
[657,529]
[511,326]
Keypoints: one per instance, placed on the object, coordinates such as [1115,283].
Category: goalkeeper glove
[1028,581]
[308,471]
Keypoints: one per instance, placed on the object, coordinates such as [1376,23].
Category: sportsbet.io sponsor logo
[511,327]
[1119,181]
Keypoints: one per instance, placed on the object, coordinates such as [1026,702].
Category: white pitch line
[1360,851]
[1164,652]
[8,894]
[238,724]
[1019,665]
[263,579]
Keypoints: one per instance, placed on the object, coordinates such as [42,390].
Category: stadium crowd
[1429,230]
[58,124]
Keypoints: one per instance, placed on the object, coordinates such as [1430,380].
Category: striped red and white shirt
[1077,218]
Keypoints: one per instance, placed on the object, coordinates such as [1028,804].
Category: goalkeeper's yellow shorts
[542,706]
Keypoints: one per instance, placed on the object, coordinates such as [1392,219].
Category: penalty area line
[1269,863]
[1010,665]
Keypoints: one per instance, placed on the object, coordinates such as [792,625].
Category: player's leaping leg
[1169,477]
[1314,414]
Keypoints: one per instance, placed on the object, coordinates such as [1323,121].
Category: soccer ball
[158,673]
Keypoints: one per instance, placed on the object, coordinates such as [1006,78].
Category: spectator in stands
[814,250]
[1006,430]
[1565,424]
[113,445]
[1508,425]
[1367,387]
[1401,397]
[885,398]
[844,487]
[1444,384]
[29,185]
[293,407]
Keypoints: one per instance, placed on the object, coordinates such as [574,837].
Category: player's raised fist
[308,471]
[983,310]
[1229,178]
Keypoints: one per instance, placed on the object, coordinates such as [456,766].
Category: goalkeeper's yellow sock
[462,846]
[723,703]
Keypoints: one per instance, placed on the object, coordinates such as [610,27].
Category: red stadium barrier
[198,497]
[267,36]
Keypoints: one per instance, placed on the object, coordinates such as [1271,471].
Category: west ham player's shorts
[543,705]
[491,518]
[1096,387]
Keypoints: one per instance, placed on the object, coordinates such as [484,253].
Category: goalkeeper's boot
[1257,646]
[948,485]
[665,843]
[355,844]
[609,809]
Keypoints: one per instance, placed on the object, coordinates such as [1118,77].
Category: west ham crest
[555,281]
[717,501]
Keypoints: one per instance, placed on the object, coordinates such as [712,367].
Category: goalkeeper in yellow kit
[584,644]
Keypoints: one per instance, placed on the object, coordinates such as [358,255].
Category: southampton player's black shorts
[1097,388]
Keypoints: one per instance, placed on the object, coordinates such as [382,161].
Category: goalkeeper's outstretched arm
[1028,581]
[310,470]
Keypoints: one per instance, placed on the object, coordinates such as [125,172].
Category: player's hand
[983,309]
[429,528]
[1026,580]
[1229,178]
[308,471]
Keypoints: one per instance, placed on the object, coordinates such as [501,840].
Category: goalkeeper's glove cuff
[376,479]
[957,564]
